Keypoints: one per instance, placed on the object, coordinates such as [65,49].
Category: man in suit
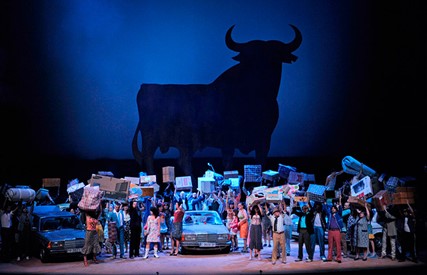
[117,216]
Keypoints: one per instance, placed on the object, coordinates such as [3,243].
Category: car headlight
[223,237]
[58,244]
[189,237]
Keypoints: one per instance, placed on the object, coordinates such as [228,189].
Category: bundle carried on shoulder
[91,198]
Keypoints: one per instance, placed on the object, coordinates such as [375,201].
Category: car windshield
[56,223]
[202,218]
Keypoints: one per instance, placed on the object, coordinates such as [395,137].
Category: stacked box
[270,175]
[382,198]
[51,182]
[316,192]
[284,170]
[168,173]
[252,173]
[183,183]
[231,174]
[404,195]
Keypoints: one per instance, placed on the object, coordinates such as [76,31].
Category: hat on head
[276,210]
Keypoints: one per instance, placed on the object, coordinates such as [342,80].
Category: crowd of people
[143,226]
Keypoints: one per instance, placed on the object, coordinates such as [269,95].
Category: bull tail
[137,154]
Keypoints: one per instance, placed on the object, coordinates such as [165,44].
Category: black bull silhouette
[238,110]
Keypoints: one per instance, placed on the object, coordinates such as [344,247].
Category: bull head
[282,50]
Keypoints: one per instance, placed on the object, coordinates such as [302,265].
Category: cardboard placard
[183,183]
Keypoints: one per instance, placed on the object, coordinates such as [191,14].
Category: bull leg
[227,158]
[261,153]
[184,161]
[148,151]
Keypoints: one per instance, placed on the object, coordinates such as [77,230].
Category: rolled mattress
[18,194]
[352,166]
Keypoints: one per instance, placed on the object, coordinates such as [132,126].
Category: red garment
[178,215]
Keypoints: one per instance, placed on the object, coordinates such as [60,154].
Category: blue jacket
[337,217]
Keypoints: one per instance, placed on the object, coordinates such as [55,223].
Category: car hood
[64,235]
[205,229]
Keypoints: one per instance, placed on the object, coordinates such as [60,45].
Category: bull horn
[231,44]
[292,46]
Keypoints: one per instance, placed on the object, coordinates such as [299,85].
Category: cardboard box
[300,199]
[147,179]
[168,174]
[316,192]
[147,191]
[284,170]
[362,188]
[206,185]
[270,175]
[114,188]
[273,194]
[183,183]
[403,198]
[235,183]
[252,173]
[133,180]
[231,174]
[382,198]
[356,200]
[51,182]
[296,178]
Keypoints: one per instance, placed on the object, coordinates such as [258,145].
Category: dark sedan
[204,231]
[56,233]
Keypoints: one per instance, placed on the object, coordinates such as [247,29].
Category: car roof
[51,211]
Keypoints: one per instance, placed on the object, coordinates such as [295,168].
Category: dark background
[70,72]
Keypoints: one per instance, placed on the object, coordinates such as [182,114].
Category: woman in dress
[126,224]
[255,242]
[153,229]
[178,215]
[91,245]
[361,231]
[243,225]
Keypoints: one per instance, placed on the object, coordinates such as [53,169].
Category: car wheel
[43,255]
